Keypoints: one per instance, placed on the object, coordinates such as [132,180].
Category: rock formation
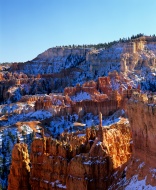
[141,112]
[142,118]
[57,68]
[94,170]
[74,161]
[95,80]
[20,169]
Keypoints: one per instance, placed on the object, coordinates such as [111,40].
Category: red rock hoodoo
[20,169]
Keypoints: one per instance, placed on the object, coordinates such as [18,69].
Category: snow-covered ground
[80,97]
[26,129]
[31,116]
[138,185]
[16,108]
[60,124]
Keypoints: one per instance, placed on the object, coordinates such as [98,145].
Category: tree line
[106,45]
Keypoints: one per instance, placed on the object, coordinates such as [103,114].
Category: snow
[151,47]
[56,59]
[16,108]
[80,97]
[26,129]
[61,186]
[95,160]
[81,135]
[141,165]
[60,124]
[109,122]
[31,116]
[87,163]
[15,92]
[153,171]
[58,184]
[99,143]
[138,185]
[40,114]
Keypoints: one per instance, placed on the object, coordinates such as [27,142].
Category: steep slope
[140,172]
[142,117]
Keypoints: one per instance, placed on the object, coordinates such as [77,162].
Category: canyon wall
[140,169]
[142,116]
[57,68]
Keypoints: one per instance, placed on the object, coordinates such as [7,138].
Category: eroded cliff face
[53,60]
[20,168]
[110,150]
[120,57]
[49,164]
[140,171]
[142,117]
[77,161]
[50,159]
[57,68]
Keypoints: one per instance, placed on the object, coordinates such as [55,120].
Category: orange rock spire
[100,133]
[20,169]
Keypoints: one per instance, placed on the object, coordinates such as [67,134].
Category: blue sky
[29,27]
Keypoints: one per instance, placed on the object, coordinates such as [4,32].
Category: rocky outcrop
[138,54]
[107,95]
[101,61]
[135,46]
[94,160]
[53,60]
[75,161]
[141,112]
[20,169]
[47,166]
[87,172]
[49,159]
[57,68]
[107,107]
[141,170]
[94,170]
